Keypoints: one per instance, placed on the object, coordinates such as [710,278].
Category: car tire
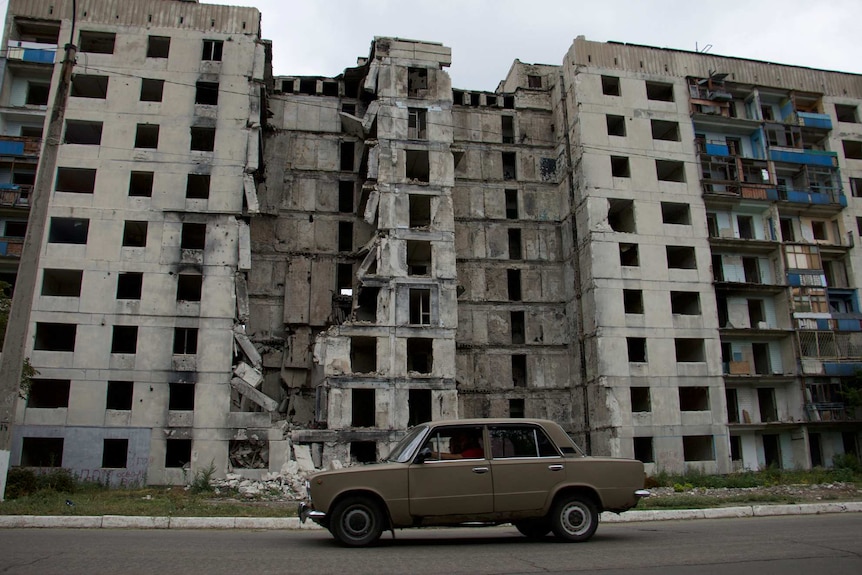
[356,522]
[533,528]
[574,518]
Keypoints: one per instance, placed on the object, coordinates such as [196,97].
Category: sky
[322,37]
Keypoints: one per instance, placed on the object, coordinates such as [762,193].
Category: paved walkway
[136,522]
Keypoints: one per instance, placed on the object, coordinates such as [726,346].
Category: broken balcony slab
[249,392]
[248,348]
[248,374]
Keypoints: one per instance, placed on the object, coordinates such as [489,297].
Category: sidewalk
[281,523]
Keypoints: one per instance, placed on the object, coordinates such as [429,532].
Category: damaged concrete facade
[278,273]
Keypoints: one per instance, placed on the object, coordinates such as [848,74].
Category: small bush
[23,481]
[201,482]
[20,482]
[59,480]
[847,461]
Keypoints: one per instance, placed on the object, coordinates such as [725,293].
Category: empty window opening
[621,215]
[308,86]
[178,453]
[637,352]
[693,399]
[510,170]
[766,401]
[37,94]
[458,97]
[147,136]
[416,124]
[419,406]
[420,306]
[856,187]
[367,304]
[31,132]
[82,132]
[417,82]
[534,81]
[756,313]
[509,102]
[344,279]
[815,449]
[513,284]
[48,393]
[681,258]
[330,89]
[762,365]
[712,225]
[689,350]
[620,167]
[616,125]
[515,250]
[158,46]
[141,184]
[610,86]
[674,213]
[490,100]
[62,283]
[420,211]
[345,236]
[189,287]
[517,327]
[130,285]
[418,258]
[68,231]
[152,90]
[364,407]
[124,339]
[629,255]
[115,453]
[846,113]
[206,93]
[664,130]
[670,170]
[698,448]
[212,50]
[633,301]
[135,234]
[732,400]
[507,128]
[643,449]
[420,355]
[347,156]
[287,86]
[363,354]
[42,452]
[202,139]
[852,149]
[89,86]
[363,451]
[14,229]
[119,395]
[818,230]
[640,397]
[96,42]
[193,236]
[349,109]
[751,269]
[76,180]
[659,91]
[685,303]
[198,186]
[185,340]
[181,396]
[345,196]
[511,204]
[771,450]
[746,227]
[516,408]
[417,167]
[519,370]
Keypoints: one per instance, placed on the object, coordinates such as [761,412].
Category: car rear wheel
[575,518]
[357,522]
[533,528]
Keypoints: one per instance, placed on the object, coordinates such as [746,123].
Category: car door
[525,466]
[458,486]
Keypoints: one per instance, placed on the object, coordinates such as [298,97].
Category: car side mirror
[424,453]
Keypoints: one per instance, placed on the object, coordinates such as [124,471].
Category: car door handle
[555,467]
[480,470]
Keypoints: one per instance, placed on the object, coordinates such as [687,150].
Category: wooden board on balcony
[740,368]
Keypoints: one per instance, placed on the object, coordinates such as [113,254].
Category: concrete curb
[292,523]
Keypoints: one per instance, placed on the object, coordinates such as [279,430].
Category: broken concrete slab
[248,348]
[250,375]
[302,455]
[249,392]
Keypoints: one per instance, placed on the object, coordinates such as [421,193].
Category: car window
[521,441]
[461,442]
[404,449]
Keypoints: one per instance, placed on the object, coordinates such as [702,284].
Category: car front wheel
[357,522]
[575,518]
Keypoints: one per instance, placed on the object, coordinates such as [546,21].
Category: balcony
[31,52]
[812,120]
[19,146]
[802,156]
[11,247]
[820,412]
[15,196]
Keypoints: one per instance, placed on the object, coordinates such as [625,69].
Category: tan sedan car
[489,471]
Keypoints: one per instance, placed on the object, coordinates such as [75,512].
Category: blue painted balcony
[807,157]
[32,52]
[812,120]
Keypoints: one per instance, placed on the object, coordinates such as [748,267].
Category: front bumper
[306,511]
[640,493]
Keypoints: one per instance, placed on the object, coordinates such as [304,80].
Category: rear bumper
[306,511]
[641,493]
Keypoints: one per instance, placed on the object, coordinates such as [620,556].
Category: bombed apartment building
[654,248]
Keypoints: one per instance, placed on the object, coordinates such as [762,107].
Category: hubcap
[357,522]
[575,519]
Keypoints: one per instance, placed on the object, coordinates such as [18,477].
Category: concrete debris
[251,453]
[247,373]
[288,485]
[254,395]
[248,348]
[302,453]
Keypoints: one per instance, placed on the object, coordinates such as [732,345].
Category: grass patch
[748,479]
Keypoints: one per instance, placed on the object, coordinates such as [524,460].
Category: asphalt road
[767,545]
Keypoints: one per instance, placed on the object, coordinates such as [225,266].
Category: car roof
[490,421]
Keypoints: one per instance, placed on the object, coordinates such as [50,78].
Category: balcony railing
[31,52]
[15,196]
[11,247]
[830,345]
[831,412]
[19,146]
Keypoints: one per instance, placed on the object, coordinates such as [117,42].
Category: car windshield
[402,452]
